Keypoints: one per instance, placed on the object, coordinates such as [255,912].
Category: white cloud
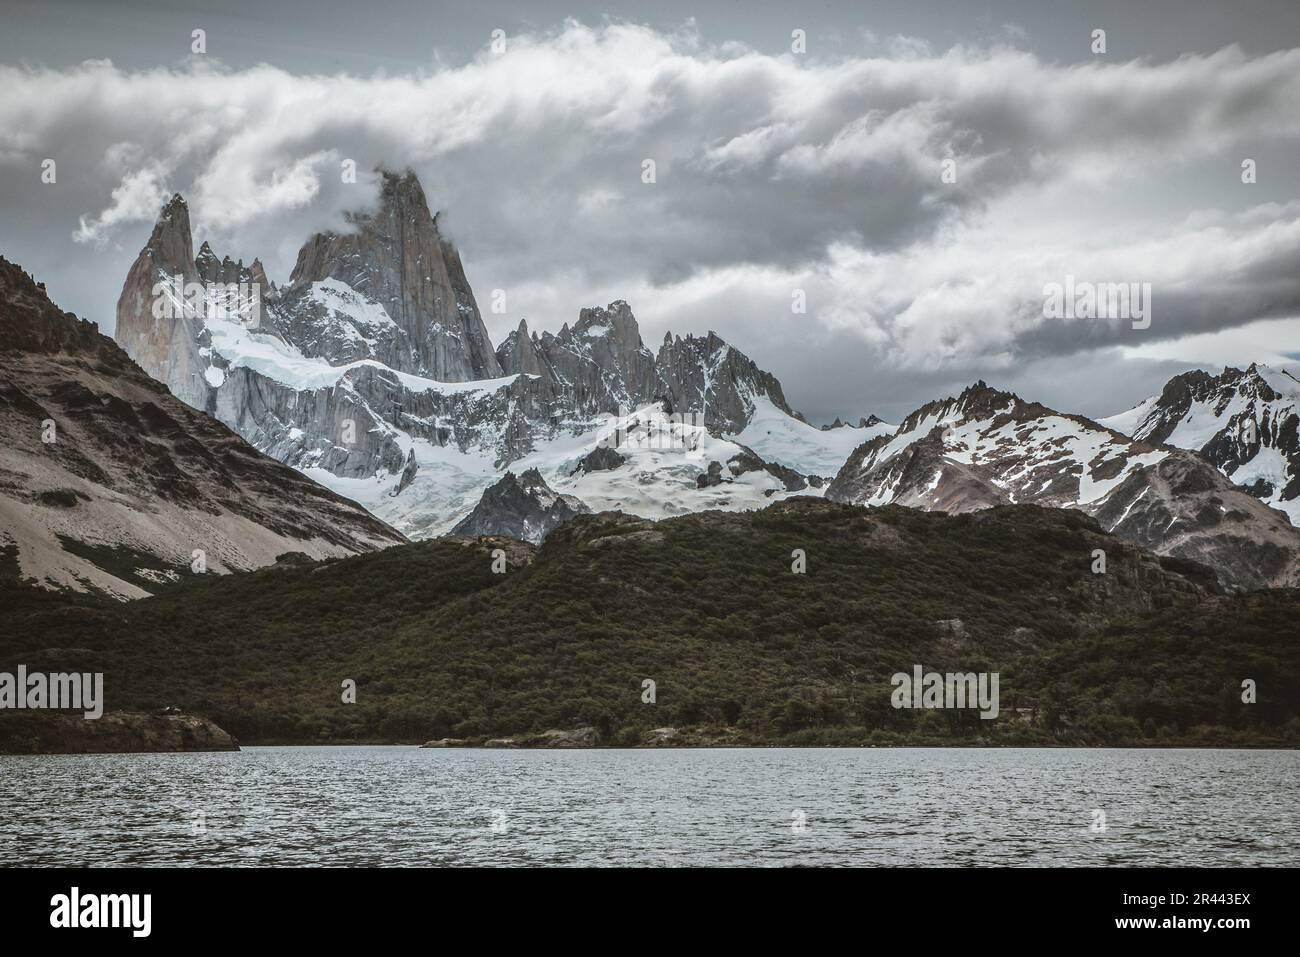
[135,200]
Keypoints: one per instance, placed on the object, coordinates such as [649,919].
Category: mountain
[987,447]
[708,608]
[108,482]
[371,372]
[1246,423]
[522,507]
[398,259]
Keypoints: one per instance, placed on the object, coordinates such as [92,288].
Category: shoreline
[247,746]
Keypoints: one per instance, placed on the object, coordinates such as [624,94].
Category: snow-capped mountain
[109,483]
[987,447]
[1245,423]
[371,371]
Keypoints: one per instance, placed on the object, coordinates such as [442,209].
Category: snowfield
[663,458]
[779,438]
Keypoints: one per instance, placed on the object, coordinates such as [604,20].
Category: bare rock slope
[108,482]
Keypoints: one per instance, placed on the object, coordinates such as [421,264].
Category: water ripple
[770,807]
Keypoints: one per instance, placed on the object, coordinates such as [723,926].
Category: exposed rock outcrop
[397,257]
[522,507]
[169,347]
[601,459]
[575,738]
[116,732]
[707,376]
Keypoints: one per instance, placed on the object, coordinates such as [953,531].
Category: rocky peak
[169,348]
[30,322]
[524,507]
[257,274]
[520,352]
[532,480]
[171,244]
[213,269]
[397,257]
[614,323]
[601,360]
[207,260]
[1246,423]
[864,422]
[977,401]
[706,375]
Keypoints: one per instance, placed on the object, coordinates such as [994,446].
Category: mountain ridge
[1245,422]
[986,447]
[323,381]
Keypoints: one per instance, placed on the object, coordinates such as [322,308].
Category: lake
[361,806]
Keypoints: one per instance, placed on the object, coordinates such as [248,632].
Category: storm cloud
[775,175]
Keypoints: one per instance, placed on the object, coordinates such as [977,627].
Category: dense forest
[741,647]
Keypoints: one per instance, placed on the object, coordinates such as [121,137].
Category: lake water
[406,806]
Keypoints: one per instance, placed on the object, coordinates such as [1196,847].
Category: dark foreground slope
[110,483]
[707,607]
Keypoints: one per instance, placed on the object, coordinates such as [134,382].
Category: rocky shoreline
[120,732]
[591,738]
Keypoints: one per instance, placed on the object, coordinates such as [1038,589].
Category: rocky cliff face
[170,347]
[987,448]
[1245,423]
[705,374]
[109,482]
[397,259]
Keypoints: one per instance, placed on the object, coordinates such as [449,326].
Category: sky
[918,175]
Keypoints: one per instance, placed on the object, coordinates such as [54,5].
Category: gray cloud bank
[773,174]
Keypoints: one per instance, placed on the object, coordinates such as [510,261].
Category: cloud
[773,173]
[135,200]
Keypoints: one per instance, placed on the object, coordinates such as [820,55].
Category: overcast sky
[776,171]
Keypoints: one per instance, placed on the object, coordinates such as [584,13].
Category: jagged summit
[398,260]
[1245,422]
[373,370]
[30,322]
[988,447]
[864,422]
